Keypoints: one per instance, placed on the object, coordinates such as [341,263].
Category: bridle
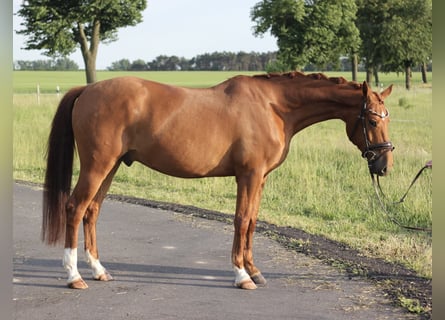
[374,151]
[370,152]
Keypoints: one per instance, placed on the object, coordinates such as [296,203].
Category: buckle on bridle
[370,153]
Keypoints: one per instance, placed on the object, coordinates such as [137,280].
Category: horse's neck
[312,105]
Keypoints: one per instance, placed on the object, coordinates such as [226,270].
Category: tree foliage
[396,35]
[60,26]
[389,35]
[316,31]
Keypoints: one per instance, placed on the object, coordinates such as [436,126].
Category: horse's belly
[188,160]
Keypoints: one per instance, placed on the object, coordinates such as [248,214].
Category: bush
[403,102]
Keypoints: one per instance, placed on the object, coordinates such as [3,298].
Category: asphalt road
[173,266]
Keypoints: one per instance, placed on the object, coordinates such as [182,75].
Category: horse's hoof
[259,279]
[78,284]
[104,277]
[246,285]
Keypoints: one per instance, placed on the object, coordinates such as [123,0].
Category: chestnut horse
[241,127]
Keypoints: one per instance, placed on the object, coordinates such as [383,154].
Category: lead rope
[380,194]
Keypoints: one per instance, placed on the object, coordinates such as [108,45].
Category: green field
[323,187]
[27,81]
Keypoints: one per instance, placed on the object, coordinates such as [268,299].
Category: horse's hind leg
[89,227]
[90,180]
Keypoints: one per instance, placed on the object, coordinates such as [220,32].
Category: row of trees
[216,61]
[228,61]
[386,35]
[61,64]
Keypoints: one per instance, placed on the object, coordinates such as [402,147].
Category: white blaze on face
[70,264]
[95,265]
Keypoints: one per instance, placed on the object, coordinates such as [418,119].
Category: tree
[65,64]
[138,65]
[316,32]
[409,36]
[368,21]
[121,65]
[396,35]
[59,26]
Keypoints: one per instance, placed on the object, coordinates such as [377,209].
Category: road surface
[173,266]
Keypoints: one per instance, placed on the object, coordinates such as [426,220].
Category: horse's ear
[386,92]
[365,88]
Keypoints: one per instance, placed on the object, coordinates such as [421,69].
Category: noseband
[373,151]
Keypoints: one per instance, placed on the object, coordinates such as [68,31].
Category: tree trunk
[376,76]
[423,69]
[90,69]
[354,66]
[407,76]
[89,53]
[369,75]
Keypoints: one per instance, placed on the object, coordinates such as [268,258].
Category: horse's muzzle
[380,158]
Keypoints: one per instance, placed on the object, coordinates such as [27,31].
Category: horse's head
[369,131]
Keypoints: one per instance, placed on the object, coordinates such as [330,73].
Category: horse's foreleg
[89,226]
[252,270]
[248,197]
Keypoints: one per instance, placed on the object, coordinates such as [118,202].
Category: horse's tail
[59,169]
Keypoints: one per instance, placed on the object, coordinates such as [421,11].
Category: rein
[372,156]
[380,194]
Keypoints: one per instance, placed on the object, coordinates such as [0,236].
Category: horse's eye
[373,123]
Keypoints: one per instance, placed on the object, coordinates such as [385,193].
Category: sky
[184,28]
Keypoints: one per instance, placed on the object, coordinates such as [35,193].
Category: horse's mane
[276,76]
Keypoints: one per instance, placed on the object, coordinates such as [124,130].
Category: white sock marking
[70,264]
[95,265]
[240,275]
